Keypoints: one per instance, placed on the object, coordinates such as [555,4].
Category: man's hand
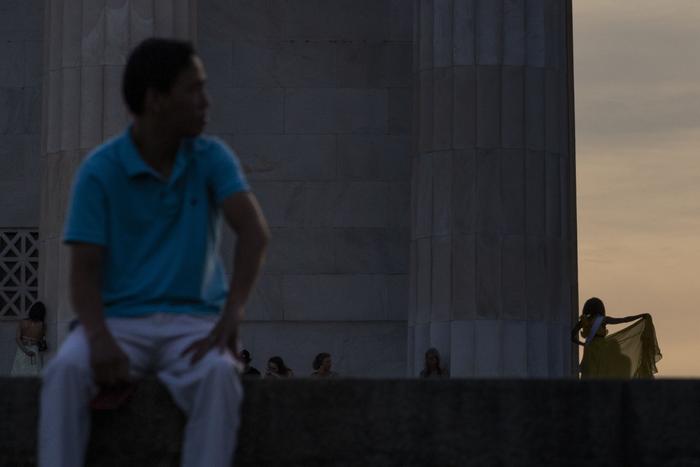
[29,353]
[109,363]
[223,336]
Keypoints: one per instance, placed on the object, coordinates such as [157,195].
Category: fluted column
[86,46]
[493,248]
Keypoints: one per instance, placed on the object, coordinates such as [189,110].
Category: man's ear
[153,101]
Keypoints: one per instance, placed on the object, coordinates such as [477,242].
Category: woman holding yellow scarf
[629,353]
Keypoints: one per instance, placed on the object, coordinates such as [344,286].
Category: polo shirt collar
[135,165]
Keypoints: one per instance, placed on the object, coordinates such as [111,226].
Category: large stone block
[370,251]
[554,207]
[441,279]
[464,107]
[340,20]
[141,21]
[71,33]
[536,38]
[284,64]
[442,33]
[440,334]
[535,202]
[93,33]
[115,116]
[464,277]
[397,297]
[422,226]
[537,349]
[489,213]
[373,157]
[488,278]
[91,106]
[513,190]
[442,108]
[301,251]
[399,205]
[287,157]
[536,278]
[247,110]
[70,109]
[225,20]
[425,34]
[488,106]
[11,110]
[464,32]
[513,278]
[267,300]
[424,264]
[401,21]
[555,275]
[555,117]
[33,66]
[513,102]
[392,65]
[425,111]
[339,297]
[12,64]
[558,342]
[361,204]
[514,344]
[554,30]
[281,202]
[12,154]
[421,343]
[462,349]
[442,193]
[535,117]
[399,112]
[116,47]
[489,33]
[335,111]
[464,191]
[488,358]
[514,39]
[218,62]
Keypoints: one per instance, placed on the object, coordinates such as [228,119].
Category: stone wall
[400,423]
[314,95]
[20,120]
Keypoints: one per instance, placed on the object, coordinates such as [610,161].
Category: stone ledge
[400,423]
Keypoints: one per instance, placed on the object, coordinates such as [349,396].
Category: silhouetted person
[145,278]
[432,368]
[276,368]
[248,370]
[322,366]
[31,342]
[629,353]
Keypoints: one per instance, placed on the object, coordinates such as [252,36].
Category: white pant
[209,392]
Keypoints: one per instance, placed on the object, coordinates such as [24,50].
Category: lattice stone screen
[19,266]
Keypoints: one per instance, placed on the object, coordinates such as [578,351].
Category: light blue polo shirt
[160,235]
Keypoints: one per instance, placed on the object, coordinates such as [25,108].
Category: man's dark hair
[154,63]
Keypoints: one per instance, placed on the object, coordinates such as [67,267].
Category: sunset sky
[637,78]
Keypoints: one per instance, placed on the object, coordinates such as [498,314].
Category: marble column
[86,46]
[493,246]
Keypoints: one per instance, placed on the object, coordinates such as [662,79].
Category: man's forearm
[85,293]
